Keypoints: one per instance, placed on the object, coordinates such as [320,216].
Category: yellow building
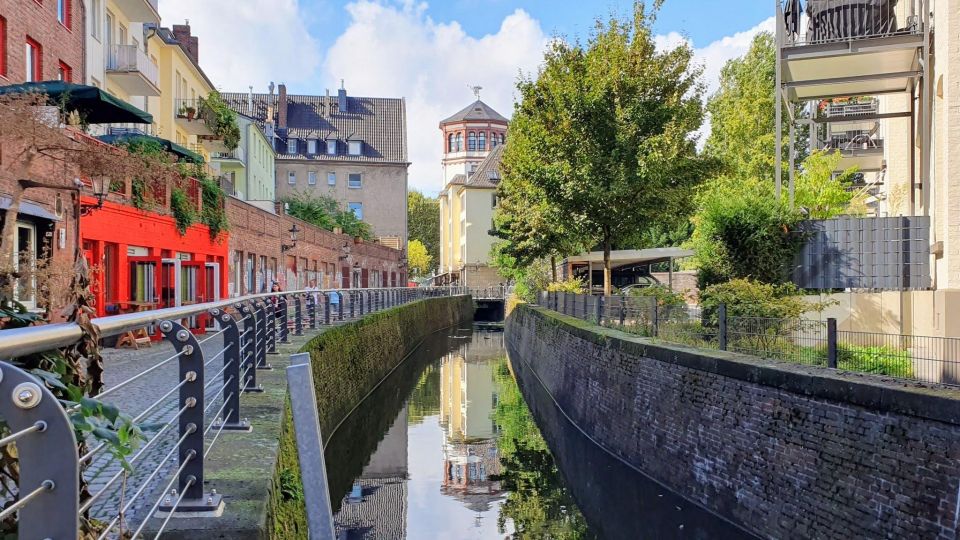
[473,142]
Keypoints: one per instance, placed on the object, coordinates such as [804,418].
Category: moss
[288,518]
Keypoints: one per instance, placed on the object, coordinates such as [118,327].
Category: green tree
[742,114]
[327,213]
[419,260]
[606,131]
[423,224]
[823,195]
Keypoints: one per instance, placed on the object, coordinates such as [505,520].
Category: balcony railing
[859,108]
[129,58]
[235,154]
[829,21]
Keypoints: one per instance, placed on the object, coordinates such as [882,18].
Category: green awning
[169,146]
[92,104]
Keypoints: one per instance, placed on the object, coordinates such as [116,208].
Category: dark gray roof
[381,123]
[487,173]
[477,110]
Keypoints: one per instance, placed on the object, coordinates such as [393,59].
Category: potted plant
[191,112]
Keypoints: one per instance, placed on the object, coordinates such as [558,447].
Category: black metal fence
[201,398]
[800,341]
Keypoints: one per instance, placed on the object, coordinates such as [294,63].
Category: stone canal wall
[348,362]
[781,450]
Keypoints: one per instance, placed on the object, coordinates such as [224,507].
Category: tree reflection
[537,503]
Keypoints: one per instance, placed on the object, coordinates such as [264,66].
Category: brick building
[262,250]
[351,148]
[41,41]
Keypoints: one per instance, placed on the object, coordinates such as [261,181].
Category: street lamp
[101,188]
[293,239]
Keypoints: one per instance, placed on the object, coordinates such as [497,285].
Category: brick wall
[261,233]
[782,450]
[59,43]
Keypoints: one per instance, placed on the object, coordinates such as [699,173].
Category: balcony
[234,156]
[850,47]
[851,116]
[193,116]
[143,11]
[131,69]
[861,150]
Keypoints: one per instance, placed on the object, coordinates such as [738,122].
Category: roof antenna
[476,90]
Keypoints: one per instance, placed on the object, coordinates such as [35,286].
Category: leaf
[107,435]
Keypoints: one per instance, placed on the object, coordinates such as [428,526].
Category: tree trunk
[553,268]
[606,264]
[8,247]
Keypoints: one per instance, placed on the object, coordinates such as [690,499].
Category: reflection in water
[448,448]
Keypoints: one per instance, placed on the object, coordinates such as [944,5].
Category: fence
[201,398]
[801,341]
[832,21]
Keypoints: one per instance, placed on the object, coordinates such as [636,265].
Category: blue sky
[430,52]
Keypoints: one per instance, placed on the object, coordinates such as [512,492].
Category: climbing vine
[182,208]
[214,213]
[223,119]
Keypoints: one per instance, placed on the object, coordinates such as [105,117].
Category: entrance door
[212,281]
[25,262]
[145,280]
[193,289]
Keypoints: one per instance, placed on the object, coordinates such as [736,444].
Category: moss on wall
[348,362]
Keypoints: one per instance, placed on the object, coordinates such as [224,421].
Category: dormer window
[311,146]
[331,147]
[292,145]
[356,148]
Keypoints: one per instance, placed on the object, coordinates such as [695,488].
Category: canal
[447,447]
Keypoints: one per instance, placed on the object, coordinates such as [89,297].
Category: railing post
[831,342]
[361,295]
[312,309]
[353,297]
[284,319]
[298,314]
[190,451]
[600,310]
[585,298]
[722,331]
[252,329]
[270,337]
[266,321]
[232,355]
[340,307]
[655,322]
[48,461]
[326,308]
[623,310]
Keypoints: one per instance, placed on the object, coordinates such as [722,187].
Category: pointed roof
[477,110]
[487,173]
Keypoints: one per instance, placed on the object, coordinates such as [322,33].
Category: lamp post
[100,187]
[293,239]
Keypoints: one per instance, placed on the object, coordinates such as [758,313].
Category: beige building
[473,145]
[352,148]
[897,72]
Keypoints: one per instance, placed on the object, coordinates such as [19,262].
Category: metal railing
[192,396]
[236,154]
[130,58]
[810,22]
[494,292]
[796,340]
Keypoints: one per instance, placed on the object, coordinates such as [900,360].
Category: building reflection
[468,397]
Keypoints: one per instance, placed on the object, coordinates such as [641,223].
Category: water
[447,448]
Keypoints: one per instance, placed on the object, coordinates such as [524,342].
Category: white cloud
[247,42]
[398,50]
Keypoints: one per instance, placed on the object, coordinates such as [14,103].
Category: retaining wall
[782,450]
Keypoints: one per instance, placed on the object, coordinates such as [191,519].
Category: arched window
[503,138]
[482,144]
[450,143]
[459,142]
[472,142]
[493,140]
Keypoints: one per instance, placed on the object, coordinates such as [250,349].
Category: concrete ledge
[884,394]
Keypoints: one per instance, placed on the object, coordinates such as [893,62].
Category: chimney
[189,43]
[282,106]
[327,104]
[250,101]
[342,98]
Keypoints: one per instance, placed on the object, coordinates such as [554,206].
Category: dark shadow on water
[617,500]
[349,449]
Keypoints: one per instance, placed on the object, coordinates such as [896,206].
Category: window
[64,72]
[251,276]
[493,200]
[236,273]
[3,46]
[311,146]
[63,12]
[355,148]
[450,146]
[356,208]
[472,142]
[312,178]
[292,178]
[459,142]
[482,144]
[291,145]
[331,147]
[33,61]
[354,180]
[26,255]
[262,275]
[331,178]
[95,18]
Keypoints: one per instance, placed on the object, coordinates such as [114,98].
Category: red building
[41,41]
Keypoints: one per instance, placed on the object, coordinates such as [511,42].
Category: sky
[430,52]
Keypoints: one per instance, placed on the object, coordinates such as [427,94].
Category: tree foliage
[327,213]
[423,224]
[417,257]
[605,132]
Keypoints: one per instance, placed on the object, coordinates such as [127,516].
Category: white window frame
[32,302]
[331,147]
[292,178]
[355,148]
[312,178]
[350,181]
[354,210]
[311,146]
[331,178]
[291,145]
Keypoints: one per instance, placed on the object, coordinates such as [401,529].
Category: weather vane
[476,90]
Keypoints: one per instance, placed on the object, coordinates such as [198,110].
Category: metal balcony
[193,116]
[233,156]
[861,151]
[143,11]
[131,69]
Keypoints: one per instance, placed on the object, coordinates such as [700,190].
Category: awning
[28,208]
[93,104]
[169,146]
[631,257]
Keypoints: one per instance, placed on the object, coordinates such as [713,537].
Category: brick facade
[37,20]
[318,255]
[784,451]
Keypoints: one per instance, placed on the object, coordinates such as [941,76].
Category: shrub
[183,211]
[882,360]
[746,298]
[664,296]
[572,285]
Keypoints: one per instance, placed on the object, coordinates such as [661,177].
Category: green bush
[572,285]
[881,360]
[182,208]
[746,298]
[664,296]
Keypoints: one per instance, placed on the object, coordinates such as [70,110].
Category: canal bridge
[490,302]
